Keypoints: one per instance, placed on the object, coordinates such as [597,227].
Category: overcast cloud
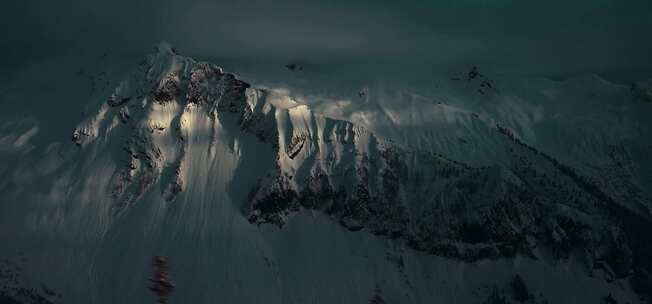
[530,37]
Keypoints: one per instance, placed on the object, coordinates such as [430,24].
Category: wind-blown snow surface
[261,195]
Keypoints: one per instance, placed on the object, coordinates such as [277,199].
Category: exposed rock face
[442,207]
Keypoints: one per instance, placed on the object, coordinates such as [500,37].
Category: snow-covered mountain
[477,192]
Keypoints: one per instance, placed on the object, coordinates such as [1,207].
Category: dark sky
[529,37]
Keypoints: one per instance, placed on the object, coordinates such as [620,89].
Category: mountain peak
[164,47]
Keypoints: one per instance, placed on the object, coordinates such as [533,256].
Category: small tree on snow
[162,286]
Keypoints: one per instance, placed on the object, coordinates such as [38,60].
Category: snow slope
[258,195]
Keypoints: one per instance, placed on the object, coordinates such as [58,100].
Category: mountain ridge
[183,151]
